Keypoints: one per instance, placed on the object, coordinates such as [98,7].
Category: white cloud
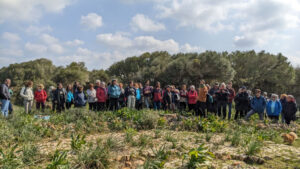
[186,48]
[35,48]
[35,30]
[56,48]
[29,10]
[149,43]
[144,23]
[75,42]
[48,39]
[11,37]
[114,40]
[8,52]
[91,21]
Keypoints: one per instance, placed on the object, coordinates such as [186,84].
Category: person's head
[202,81]
[131,83]
[168,88]
[158,84]
[290,98]
[140,85]
[265,94]
[59,85]
[244,89]
[7,82]
[240,90]
[176,91]
[98,82]
[147,83]
[114,82]
[29,83]
[102,84]
[192,88]
[216,85]
[76,83]
[121,85]
[183,87]
[69,87]
[223,86]
[80,88]
[91,86]
[249,92]
[40,86]
[136,85]
[229,85]
[257,92]
[283,96]
[274,97]
[52,88]
[208,86]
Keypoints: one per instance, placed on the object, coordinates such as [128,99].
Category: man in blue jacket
[274,108]
[114,92]
[258,105]
[5,97]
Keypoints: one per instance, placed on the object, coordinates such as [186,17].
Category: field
[146,139]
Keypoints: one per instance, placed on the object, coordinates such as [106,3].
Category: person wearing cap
[258,105]
[201,100]
[230,98]
[114,94]
[274,108]
[241,103]
[212,92]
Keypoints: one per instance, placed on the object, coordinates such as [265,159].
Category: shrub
[30,154]
[161,155]
[199,157]
[59,160]
[77,142]
[129,134]
[8,159]
[253,147]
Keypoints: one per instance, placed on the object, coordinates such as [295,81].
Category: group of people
[113,96]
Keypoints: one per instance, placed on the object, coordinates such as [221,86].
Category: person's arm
[22,92]
[45,95]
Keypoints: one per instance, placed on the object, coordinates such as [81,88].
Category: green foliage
[30,154]
[59,160]
[9,159]
[129,134]
[161,155]
[77,142]
[253,147]
[199,157]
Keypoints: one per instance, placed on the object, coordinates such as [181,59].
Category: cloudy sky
[101,32]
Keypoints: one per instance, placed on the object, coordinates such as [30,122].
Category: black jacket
[242,101]
[222,96]
[60,95]
[130,91]
[168,97]
[290,111]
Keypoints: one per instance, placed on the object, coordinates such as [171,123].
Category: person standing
[258,104]
[157,96]
[40,96]
[114,94]
[60,97]
[92,99]
[10,107]
[122,96]
[192,99]
[147,91]
[274,108]
[28,96]
[183,98]
[201,100]
[283,104]
[101,94]
[241,103]
[168,98]
[70,97]
[80,98]
[5,97]
[230,98]
[130,94]
[139,96]
[291,109]
[212,92]
[51,91]
[222,98]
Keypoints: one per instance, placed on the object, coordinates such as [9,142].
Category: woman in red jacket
[101,95]
[192,99]
[40,96]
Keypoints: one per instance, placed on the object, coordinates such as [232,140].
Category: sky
[102,32]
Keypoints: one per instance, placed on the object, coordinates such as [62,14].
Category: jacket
[183,96]
[283,104]
[27,93]
[60,95]
[70,97]
[114,91]
[101,94]
[40,96]
[80,99]
[147,91]
[192,97]
[130,91]
[258,104]
[291,109]
[222,96]
[277,110]
[168,97]
[157,95]
[91,95]
[202,94]
[242,101]
[231,95]
[5,92]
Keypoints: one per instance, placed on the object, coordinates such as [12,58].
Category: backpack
[2,96]
[210,99]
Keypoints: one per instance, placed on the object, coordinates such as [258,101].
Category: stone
[128,164]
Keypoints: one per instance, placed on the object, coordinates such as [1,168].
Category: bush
[199,157]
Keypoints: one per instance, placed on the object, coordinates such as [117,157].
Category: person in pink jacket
[192,98]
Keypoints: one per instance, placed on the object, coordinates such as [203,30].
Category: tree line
[269,72]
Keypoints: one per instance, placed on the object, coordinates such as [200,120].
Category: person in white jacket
[28,96]
[92,99]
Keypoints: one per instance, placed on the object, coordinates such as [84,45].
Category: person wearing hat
[258,105]
[212,92]
[114,94]
[241,103]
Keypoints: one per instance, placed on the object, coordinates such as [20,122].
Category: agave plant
[198,157]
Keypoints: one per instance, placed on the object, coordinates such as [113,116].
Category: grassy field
[143,139]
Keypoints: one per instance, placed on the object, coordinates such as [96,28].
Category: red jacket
[231,95]
[157,95]
[40,96]
[101,94]
[192,97]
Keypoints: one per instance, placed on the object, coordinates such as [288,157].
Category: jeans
[147,101]
[68,105]
[251,112]
[229,110]
[4,107]
[222,109]
[131,102]
[156,105]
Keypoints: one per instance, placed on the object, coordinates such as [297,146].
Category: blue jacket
[258,104]
[70,97]
[80,99]
[277,110]
[114,91]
